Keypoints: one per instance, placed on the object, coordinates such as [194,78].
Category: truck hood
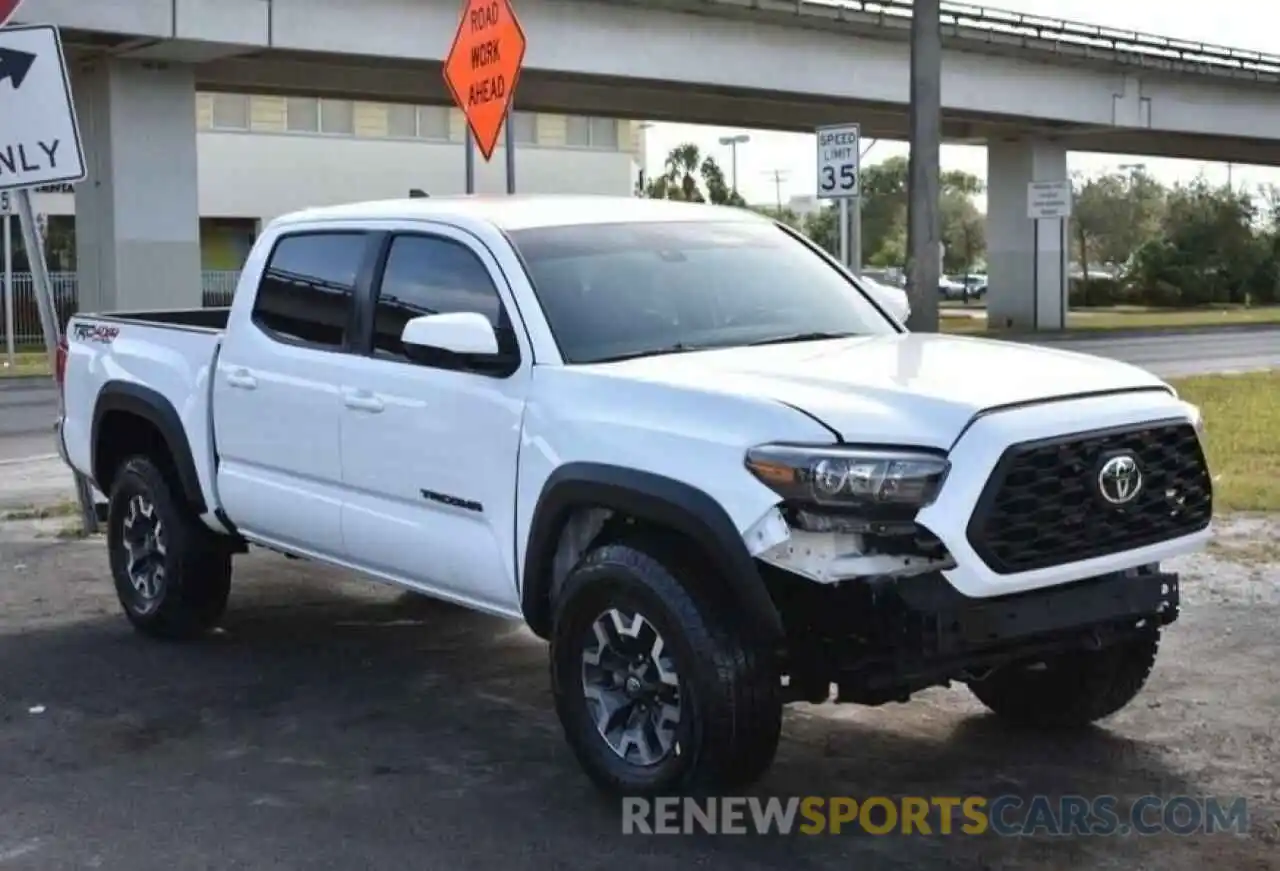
[908,389]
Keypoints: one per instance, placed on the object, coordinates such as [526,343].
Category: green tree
[964,231]
[1113,215]
[689,176]
[884,215]
[1207,249]
[823,227]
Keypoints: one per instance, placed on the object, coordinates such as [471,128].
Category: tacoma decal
[100,333]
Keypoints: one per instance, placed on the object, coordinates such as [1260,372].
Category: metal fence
[218,287]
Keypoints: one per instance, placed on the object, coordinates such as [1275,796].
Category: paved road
[1172,355]
[28,407]
[336,724]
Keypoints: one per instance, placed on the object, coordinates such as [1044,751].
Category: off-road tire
[192,597]
[1073,689]
[731,709]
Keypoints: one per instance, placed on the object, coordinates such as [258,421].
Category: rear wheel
[1071,689]
[656,692]
[171,574]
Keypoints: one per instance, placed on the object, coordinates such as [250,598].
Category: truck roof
[524,211]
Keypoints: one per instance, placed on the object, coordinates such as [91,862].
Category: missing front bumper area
[882,639]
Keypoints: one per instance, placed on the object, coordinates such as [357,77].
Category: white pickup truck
[680,442]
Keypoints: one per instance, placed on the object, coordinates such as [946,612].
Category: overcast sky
[1248,24]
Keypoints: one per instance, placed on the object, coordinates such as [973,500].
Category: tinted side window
[427,275]
[307,288]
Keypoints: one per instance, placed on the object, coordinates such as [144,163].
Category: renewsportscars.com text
[1006,815]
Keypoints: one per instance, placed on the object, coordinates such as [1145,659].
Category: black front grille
[1043,506]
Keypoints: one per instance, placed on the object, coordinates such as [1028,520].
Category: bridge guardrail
[1054,35]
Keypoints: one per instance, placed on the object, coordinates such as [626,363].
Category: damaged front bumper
[882,639]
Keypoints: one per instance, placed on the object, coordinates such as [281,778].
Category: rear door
[276,391]
[429,453]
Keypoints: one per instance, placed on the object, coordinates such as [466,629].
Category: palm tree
[687,174]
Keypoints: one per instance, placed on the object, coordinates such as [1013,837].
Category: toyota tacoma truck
[680,442]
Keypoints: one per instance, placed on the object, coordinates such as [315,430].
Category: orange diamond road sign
[483,67]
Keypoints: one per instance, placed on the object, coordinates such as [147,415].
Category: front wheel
[656,693]
[171,576]
[1071,689]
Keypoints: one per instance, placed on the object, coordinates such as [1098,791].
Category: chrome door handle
[242,378]
[362,400]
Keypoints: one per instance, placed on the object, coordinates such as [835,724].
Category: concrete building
[260,156]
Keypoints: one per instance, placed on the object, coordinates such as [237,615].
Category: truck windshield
[617,291]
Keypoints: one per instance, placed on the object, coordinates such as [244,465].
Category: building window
[582,132]
[418,122]
[524,127]
[402,121]
[604,133]
[302,115]
[230,112]
[338,116]
[577,132]
[433,122]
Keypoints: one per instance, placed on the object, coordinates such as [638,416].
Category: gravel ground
[335,724]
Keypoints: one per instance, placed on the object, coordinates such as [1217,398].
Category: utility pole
[924,229]
[778,176]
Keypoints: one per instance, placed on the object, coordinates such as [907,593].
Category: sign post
[839,163]
[1048,201]
[6,210]
[39,146]
[482,70]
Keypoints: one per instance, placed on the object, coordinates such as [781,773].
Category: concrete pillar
[137,213]
[1026,259]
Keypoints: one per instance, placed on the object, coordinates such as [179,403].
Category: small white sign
[6,205]
[39,139]
[1048,200]
[839,159]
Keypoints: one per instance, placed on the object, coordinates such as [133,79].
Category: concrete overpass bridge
[1029,88]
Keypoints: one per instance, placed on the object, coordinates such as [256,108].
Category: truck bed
[203,319]
[162,359]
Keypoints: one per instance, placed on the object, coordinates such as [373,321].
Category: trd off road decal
[96,333]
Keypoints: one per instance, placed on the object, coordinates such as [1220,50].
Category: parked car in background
[949,288]
[976,284]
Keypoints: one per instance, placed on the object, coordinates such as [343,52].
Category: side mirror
[458,333]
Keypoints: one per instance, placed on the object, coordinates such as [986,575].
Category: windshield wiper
[800,337]
[677,348]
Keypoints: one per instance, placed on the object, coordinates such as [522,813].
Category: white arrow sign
[39,139]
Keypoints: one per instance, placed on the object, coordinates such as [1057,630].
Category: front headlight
[839,477]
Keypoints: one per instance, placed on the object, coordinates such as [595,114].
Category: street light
[733,142]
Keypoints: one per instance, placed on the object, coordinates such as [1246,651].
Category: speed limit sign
[839,150]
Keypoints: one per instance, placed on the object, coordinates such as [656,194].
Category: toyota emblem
[1120,479]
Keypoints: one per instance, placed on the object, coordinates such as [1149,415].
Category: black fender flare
[153,407]
[648,497]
